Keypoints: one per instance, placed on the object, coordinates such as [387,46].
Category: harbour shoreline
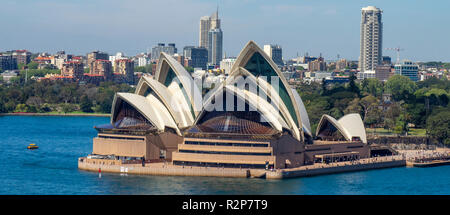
[165,169]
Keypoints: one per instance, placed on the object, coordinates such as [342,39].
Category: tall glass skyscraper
[371,38]
[215,38]
[211,37]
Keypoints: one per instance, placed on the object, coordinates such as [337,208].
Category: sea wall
[334,169]
[173,170]
[399,140]
[167,170]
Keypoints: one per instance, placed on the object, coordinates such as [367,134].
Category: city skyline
[325,27]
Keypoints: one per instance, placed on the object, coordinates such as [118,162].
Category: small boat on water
[32,146]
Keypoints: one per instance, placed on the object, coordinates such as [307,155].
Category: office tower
[7,62]
[197,56]
[408,69]
[386,60]
[215,38]
[170,49]
[371,38]
[274,52]
[211,37]
[205,26]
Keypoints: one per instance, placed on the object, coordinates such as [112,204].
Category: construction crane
[398,49]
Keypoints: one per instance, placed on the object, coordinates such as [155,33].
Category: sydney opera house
[253,119]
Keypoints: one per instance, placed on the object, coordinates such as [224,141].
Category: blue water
[52,169]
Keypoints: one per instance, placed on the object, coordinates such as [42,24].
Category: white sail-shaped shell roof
[256,103]
[350,125]
[250,50]
[266,91]
[191,92]
[176,105]
[172,99]
[353,126]
[303,113]
[150,107]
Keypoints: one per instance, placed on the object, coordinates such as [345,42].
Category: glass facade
[408,69]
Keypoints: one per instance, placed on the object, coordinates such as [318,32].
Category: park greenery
[58,96]
[412,105]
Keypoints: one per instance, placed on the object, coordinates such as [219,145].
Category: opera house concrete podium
[253,120]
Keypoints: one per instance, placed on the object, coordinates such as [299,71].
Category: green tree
[352,87]
[400,87]
[438,126]
[86,104]
[401,125]
[391,114]
[32,65]
[67,107]
[300,68]
[368,104]
[353,107]
[21,108]
[372,86]
[189,69]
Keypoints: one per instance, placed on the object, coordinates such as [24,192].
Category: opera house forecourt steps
[253,124]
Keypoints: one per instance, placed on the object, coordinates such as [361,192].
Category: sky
[327,27]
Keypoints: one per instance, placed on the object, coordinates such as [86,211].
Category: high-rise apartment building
[341,64]
[275,52]
[125,67]
[22,56]
[317,65]
[96,55]
[371,38]
[74,69]
[383,72]
[103,68]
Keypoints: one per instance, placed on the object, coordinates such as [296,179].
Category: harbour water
[52,169]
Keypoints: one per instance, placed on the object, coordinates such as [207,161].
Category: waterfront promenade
[175,170]
[338,167]
[438,153]
[426,158]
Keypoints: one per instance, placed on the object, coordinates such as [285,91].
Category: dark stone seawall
[384,140]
